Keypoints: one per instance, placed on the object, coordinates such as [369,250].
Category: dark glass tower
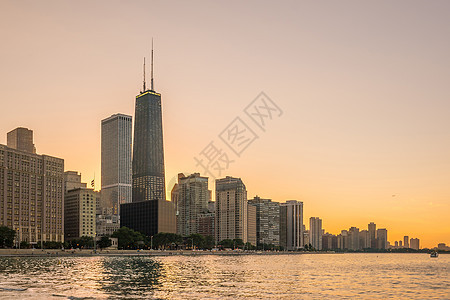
[148,149]
[149,211]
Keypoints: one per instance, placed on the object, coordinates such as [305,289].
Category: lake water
[305,276]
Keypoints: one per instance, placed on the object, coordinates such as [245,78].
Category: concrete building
[315,232]
[231,209]
[21,139]
[291,225]
[206,224]
[364,239]
[406,241]
[329,242]
[116,162]
[382,242]
[192,196]
[353,238]
[31,194]
[80,213]
[72,180]
[343,240]
[267,221]
[415,244]
[373,235]
[251,224]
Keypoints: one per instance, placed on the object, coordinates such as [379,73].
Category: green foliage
[165,240]
[86,242]
[6,236]
[104,242]
[24,245]
[128,238]
[236,243]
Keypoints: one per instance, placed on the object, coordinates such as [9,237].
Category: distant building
[206,224]
[231,209]
[372,227]
[21,139]
[79,213]
[382,242]
[267,221]
[72,180]
[443,246]
[251,224]
[329,242]
[116,162]
[396,244]
[406,241]
[400,244]
[192,200]
[364,239]
[149,212]
[291,225]
[315,232]
[31,192]
[343,240]
[415,244]
[353,238]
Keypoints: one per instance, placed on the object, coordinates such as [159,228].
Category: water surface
[305,276]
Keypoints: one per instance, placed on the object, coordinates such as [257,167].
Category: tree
[128,238]
[104,242]
[6,236]
[197,239]
[227,243]
[164,240]
[209,242]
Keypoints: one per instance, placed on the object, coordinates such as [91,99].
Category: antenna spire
[144,75]
[152,68]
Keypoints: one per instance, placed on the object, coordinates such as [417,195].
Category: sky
[364,133]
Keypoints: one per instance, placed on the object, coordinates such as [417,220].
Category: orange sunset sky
[364,89]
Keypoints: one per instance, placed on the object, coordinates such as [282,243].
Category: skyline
[370,143]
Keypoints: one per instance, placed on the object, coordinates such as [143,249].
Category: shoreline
[155,253]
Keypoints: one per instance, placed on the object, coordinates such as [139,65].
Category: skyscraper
[116,163]
[21,139]
[149,211]
[382,242]
[291,225]
[192,200]
[31,194]
[267,221]
[231,209]
[415,244]
[315,232]
[406,241]
[373,235]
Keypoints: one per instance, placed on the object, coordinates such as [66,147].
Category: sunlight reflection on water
[374,276]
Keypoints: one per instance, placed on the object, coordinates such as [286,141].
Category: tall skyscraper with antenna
[149,211]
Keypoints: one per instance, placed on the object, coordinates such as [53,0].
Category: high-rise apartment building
[116,163]
[80,213]
[406,241]
[382,242]
[364,239]
[149,212]
[21,139]
[291,225]
[267,221]
[192,200]
[373,235]
[353,238]
[415,244]
[315,232]
[231,209]
[251,223]
[31,194]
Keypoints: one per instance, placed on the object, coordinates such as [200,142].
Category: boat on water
[434,254]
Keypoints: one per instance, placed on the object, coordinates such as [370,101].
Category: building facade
[72,180]
[291,225]
[251,224]
[80,213]
[415,244]
[116,162]
[192,199]
[267,221]
[382,240]
[21,139]
[149,211]
[231,209]
[315,232]
[31,195]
